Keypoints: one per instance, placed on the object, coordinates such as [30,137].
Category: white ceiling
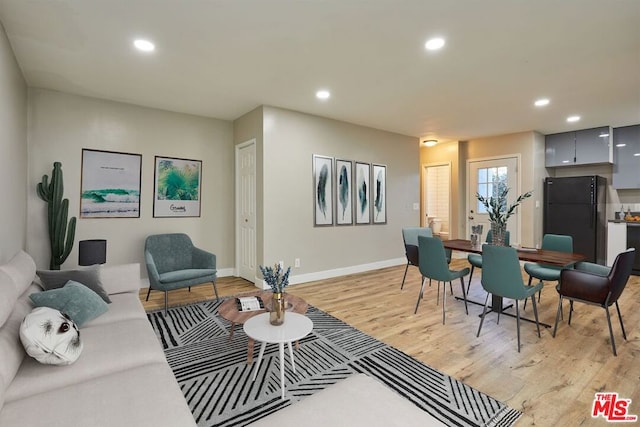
[224,58]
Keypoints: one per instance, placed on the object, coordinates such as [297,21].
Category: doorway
[436,196]
[246,210]
[487,177]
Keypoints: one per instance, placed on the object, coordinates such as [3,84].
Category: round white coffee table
[295,327]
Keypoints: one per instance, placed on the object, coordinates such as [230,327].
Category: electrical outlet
[296,263]
[416,206]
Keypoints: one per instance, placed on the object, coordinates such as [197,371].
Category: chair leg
[405,276]
[420,295]
[451,288]
[464,295]
[624,334]
[555,328]
[148,292]
[189,288]
[470,276]
[215,290]
[524,307]
[438,294]
[613,343]
[518,322]
[535,312]
[166,301]
[570,311]
[484,312]
[444,301]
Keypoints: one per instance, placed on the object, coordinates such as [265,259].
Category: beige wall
[13,149]
[290,140]
[60,125]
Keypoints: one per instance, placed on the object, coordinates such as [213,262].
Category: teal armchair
[501,276]
[173,262]
[433,265]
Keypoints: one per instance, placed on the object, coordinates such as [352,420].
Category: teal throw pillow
[75,300]
[89,277]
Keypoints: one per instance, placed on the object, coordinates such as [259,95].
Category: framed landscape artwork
[363,204]
[379,193]
[177,189]
[344,192]
[322,190]
[110,184]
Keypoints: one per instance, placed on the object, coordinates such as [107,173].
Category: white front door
[246,210]
[487,177]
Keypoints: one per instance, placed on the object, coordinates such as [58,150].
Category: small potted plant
[277,281]
[499,213]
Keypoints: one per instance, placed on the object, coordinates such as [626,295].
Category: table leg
[293,364]
[250,342]
[255,370]
[231,330]
[281,351]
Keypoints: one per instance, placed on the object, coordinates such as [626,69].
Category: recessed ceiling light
[572,119]
[323,94]
[434,43]
[636,154]
[621,145]
[430,142]
[541,102]
[144,45]
[604,135]
[565,161]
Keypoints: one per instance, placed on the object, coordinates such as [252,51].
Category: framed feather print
[379,193]
[322,190]
[362,193]
[344,192]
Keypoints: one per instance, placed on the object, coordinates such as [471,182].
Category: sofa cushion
[50,337]
[116,279]
[107,349]
[75,300]
[125,306]
[15,277]
[11,351]
[90,277]
[147,396]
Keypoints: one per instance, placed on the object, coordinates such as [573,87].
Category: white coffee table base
[295,327]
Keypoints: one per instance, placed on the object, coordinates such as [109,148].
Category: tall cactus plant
[58,210]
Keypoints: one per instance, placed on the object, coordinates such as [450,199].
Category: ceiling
[222,59]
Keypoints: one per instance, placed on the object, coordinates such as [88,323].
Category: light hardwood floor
[552,380]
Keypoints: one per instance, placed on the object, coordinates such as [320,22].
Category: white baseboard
[328,274]
[310,277]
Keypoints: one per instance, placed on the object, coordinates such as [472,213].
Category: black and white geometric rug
[216,380]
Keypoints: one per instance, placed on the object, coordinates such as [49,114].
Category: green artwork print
[178,181]
[177,187]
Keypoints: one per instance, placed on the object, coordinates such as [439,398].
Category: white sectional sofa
[120,379]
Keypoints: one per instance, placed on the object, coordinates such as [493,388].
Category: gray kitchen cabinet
[626,157]
[582,147]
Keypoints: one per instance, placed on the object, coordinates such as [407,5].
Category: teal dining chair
[549,273]
[410,238]
[501,276]
[433,265]
[476,259]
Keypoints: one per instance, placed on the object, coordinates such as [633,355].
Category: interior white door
[486,177]
[246,210]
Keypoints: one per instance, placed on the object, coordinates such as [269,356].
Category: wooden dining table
[560,259]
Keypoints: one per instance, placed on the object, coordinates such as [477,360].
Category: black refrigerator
[576,206]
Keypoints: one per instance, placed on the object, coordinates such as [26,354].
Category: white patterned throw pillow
[50,337]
